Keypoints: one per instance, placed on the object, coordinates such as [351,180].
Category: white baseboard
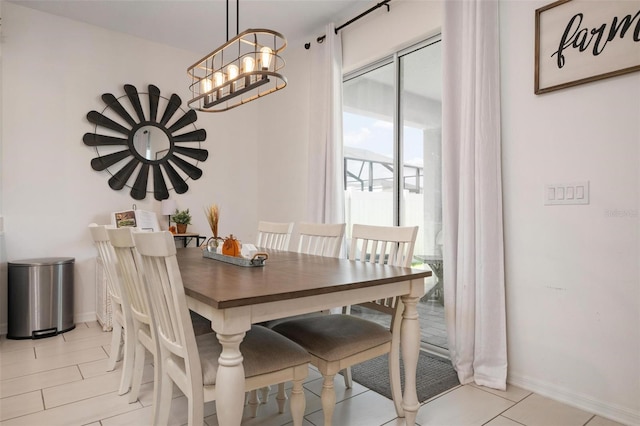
[85,317]
[614,412]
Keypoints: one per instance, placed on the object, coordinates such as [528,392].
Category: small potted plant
[181,219]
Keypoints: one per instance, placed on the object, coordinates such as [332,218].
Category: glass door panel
[369,158]
[393,163]
[421,201]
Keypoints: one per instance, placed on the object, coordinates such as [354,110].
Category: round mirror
[145,147]
[151,142]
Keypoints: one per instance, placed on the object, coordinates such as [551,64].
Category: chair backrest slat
[273,235]
[159,298]
[129,263]
[389,245]
[321,239]
[109,260]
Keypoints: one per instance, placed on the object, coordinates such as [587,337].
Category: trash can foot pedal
[39,334]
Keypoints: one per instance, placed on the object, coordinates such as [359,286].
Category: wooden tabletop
[286,275]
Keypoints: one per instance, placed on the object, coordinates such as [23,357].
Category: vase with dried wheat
[213,215]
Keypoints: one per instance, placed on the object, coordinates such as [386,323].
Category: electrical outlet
[566,193]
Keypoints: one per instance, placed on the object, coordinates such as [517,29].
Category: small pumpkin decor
[231,247]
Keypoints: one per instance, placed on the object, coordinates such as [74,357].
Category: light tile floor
[62,380]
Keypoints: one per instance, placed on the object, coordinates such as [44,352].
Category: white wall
[572,272]
[1,222]
[282,145]
[3,254]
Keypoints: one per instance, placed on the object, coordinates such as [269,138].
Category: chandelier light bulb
[265,54]
[248,64]
[232,71]
[218,78]
[207,85]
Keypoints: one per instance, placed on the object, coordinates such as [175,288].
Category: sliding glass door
[392,160]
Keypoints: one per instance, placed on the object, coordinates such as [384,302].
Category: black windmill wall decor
[132,139]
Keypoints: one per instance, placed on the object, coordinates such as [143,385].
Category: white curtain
[472,193]
[325,188]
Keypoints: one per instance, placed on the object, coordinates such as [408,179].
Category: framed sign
[578,41]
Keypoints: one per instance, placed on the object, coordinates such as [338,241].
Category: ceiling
[200,25]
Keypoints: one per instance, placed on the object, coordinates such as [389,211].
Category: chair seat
[334,337]
[258,349]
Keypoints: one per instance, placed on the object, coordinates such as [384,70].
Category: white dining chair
[274,235]
[321,239]
[123,336]
[191,362]
[336,342]
[143,329]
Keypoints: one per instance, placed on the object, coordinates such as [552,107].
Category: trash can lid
[43,261]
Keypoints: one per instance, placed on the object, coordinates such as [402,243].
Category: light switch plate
[566,193]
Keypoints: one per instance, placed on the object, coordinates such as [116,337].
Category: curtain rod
[351,21]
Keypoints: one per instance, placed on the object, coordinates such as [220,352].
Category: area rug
[434,376]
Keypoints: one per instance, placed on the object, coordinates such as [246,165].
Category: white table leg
[230,378]
[410,344]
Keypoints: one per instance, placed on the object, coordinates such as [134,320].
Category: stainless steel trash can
[40,299]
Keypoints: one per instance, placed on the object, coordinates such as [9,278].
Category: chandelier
[245,68]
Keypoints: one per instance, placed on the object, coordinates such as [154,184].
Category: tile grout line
[522,400]
[591,418]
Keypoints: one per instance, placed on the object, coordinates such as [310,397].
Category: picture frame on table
[125,219]
[580,41]
[141,219]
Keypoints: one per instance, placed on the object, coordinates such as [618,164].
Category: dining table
[234,297]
